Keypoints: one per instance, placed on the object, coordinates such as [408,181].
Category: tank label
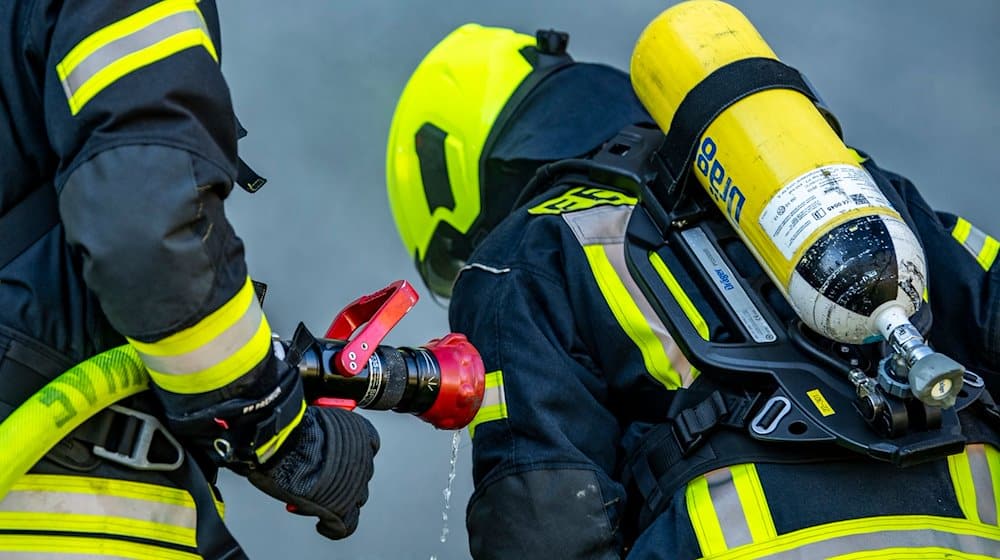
[812,200]
[728,285]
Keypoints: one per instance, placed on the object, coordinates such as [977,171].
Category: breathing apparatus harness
[800,398]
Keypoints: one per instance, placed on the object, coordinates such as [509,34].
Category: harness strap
[25,367]
[27,222]
[690,444]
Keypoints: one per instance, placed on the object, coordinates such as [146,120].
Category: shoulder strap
[27,222]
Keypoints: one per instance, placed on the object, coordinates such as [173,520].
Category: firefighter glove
[327,471]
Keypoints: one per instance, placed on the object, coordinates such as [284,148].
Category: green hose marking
[62,405]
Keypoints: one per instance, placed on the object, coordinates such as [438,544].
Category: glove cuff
[246,433]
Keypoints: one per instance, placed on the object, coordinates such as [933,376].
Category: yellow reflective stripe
[264,452]
[91,548]
[631,319]
[727,509]
[130,44]
[912,553]
[690,311]
[909,532]
[993,463]
[982,247]
[988,255]
[965,489]
[218,350]
[494,406]
[857,155]
[208,328]
[755,508]
[961,230]
[974,474]
[103,487]
[97,523]
[704,520]
[97,505]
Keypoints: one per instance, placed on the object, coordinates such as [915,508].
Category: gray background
[913,83]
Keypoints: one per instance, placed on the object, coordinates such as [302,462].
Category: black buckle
[692,424]
[133,449]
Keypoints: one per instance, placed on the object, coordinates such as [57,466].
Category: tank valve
[930,376]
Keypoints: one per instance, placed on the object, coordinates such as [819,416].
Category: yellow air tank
[813,217]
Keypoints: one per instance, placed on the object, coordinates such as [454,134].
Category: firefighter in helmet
[584,374]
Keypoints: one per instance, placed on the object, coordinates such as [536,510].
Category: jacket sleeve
[140,117]
[544,442]
[963,284]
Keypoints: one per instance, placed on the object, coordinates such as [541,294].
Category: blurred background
[914,83]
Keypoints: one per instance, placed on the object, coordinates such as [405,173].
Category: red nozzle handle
[381,311]
[463,383]
[334,402]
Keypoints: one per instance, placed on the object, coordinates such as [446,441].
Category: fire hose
[441,382]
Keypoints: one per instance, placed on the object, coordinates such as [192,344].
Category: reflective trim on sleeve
[213,353]
[727,509]
[981,246]
[494,405]
[266,451]
[692,313]
[150,35]
[892,536]
[46,547]
[973,474]
[601,233]
[72,504]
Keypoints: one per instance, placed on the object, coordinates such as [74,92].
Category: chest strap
[27,222]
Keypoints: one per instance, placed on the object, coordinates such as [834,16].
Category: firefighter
[581,368]
[118,143]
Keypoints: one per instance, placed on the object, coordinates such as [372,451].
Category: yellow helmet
[452,108]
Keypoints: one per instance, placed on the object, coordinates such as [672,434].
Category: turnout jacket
[117,148]
[580,367]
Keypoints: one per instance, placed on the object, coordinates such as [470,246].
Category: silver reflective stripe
[35,501]
[130,44]
[605,226]
[975,242]
[910,540]
[616,255]
[212,352]
[490,269]
[984,481]
[728,508]
[493,396]
[601,225]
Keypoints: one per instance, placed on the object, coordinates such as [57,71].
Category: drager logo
[724,280]
[720,183]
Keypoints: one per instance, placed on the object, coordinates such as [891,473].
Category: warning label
[814,199]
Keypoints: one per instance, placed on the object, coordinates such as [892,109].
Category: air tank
[798,197]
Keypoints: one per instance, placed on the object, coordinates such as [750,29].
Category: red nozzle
[463,381]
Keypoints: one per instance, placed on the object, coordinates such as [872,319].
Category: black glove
[326,473]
